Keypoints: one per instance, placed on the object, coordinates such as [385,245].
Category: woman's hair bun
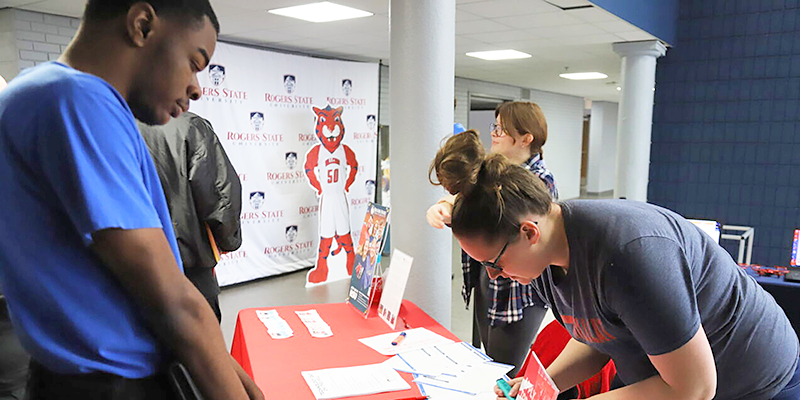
[495,166]
[458,163]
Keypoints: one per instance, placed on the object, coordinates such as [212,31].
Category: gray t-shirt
[642,279]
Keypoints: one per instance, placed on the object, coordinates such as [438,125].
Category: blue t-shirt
[72,163]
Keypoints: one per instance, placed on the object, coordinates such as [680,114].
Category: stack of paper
[314,323]
[475,380]
[334,383]
[276,326]
[451,371]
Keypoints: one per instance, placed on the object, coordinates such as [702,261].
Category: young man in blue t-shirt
[89,264]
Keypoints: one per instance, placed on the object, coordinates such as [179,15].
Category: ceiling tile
[539,20]
[532,46]
[253,4]
[377,23]
[504,36]
[503,8]
[568,56]
[479,26]
[229,10]
[477,47]
[636,35]
[231,24]
[616,26]
[594,14]
[462,41]
[566,31]
[465,16]
[16,3]
[570,3]
[578,40]
[266,36]
[373,6]
[69,8]
[310,43]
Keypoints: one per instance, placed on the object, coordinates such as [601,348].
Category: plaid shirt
[509,297]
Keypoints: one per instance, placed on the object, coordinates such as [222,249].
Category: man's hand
[252,389]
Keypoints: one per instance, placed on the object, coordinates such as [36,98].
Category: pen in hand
[505,387]
[399,339]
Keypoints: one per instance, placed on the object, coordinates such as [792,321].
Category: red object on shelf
[768,271]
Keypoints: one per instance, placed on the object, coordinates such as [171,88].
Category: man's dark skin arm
[143,263]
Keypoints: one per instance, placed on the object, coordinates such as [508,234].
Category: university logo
[291,233]
[256,199]
[289,83]
[257,120]
[347,86]
[217,74]
[369,185]
[371,122]
[291,159]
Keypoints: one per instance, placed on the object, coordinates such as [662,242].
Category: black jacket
[201,187]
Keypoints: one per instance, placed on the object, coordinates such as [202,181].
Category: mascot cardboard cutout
[331,168]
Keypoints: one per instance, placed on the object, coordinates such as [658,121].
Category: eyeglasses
[493,264]
[497,130]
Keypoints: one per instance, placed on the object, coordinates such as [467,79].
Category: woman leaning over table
[630,281]
[507,313]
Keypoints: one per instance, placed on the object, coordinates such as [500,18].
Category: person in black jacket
[13,359]
[202,190]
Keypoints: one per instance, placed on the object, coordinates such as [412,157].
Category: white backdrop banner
[261,106]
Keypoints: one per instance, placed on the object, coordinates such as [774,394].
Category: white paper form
[277,327]
[314,323]
[439,359]
[474,380]
[395,286]
[415,339]
[334,383]
[437,393]
[433,392]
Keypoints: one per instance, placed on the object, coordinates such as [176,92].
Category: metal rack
[745,239]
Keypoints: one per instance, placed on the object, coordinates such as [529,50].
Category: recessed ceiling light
[321,12]
[619,88]
[498,55]
[580,76]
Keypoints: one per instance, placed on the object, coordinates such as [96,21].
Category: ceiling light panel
[581,76]
[499,55]
[321,12]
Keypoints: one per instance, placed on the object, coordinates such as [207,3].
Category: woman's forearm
[576,363]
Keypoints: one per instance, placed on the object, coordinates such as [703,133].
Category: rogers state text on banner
[260,104]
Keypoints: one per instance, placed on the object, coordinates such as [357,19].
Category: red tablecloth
[275,365]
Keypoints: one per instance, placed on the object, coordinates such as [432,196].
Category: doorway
[481,114]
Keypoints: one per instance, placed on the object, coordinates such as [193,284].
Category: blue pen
[399,339]
[505,387]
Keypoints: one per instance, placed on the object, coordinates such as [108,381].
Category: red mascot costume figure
[326,166]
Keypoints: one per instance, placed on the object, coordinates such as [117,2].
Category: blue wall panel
[657,17]
[725,124]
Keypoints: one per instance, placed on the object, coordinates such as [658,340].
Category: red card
[537,385]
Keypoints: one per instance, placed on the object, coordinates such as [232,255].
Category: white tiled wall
[9,55]
[36,38]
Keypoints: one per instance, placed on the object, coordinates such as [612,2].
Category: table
[786,294]
[275,365]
